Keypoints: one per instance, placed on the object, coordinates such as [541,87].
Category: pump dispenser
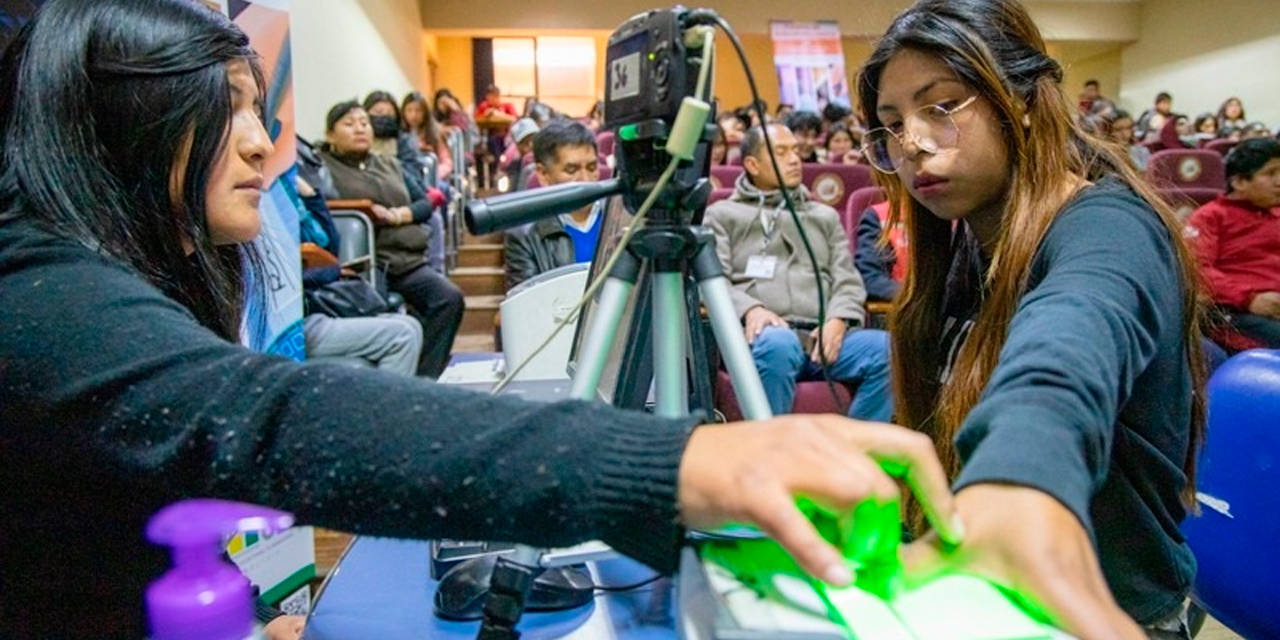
[204,597]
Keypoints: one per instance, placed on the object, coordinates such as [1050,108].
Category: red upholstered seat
[725,176]
[719,194]
[1183,168]
[1221,146]
[604,143]
[811,397]
[832,184]
[858,202]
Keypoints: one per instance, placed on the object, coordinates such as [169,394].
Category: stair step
[479,281]
[497,237]
[480,255]
[479,315]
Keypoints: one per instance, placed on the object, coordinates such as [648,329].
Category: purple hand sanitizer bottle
[203,597]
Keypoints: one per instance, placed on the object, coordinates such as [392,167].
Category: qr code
[298,603]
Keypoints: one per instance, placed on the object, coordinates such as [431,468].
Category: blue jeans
[863,360]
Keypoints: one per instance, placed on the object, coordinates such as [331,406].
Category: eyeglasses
[930,128]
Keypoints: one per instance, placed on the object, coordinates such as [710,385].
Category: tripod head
[653,63]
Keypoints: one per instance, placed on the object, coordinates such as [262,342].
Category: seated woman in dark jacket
[400,207]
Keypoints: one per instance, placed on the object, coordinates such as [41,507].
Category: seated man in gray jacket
[775,291]
[563,151]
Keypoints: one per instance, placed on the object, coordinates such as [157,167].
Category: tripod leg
[670,377]
[603,327]
[729,337]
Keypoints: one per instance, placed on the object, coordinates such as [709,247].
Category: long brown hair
[995,48]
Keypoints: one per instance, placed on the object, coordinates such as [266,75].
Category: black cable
[786,197]
[628,587]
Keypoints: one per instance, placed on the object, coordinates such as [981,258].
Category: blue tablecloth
[383,589]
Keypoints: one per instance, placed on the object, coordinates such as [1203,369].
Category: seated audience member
[416,117]
[122,285]
[512,161]
[719,148]
[1091,94]
[564,151]
[806,126]
[1254,130]
[1121,131]
[1152,120]
[840,147]
[495,117]
[388,341]
[733,127]
[400,208]
[835,113]
[1231,114]
[1175,134]
[595,117]
[455,120]
[1237,241]
[775,290]
[882,266]
[1205,127]
[389,139]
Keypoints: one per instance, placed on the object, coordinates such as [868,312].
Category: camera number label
[625,74]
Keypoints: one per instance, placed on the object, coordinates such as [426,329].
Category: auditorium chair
[605,143]
[356,242]
[725,176]
[1187,169]
[1234,537]
[811,397]
[719,194]
[832,184]
[858,202]
[1222,146]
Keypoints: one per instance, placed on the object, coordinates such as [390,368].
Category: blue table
[383,589]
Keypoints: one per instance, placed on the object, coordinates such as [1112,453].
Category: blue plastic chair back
[1236,538]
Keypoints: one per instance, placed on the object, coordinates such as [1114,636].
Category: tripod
[668,257]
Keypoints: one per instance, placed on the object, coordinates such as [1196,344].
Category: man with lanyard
[564,151]
[775,290]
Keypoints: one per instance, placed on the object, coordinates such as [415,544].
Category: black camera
[650,70]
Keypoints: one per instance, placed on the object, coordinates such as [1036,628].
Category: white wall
[1204,52]
[343,49]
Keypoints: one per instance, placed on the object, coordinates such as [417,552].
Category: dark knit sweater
[1091,399]
[114,401]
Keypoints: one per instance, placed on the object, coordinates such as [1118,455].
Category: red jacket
[504,107]
[1238,247]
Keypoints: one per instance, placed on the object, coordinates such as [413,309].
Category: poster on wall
[810,61]
[278,328]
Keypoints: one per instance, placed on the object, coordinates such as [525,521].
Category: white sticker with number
[761,267]
[624,79]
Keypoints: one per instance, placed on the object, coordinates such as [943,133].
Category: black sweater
[1091,399]
[114,401]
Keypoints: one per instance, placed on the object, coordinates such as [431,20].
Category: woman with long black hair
[132,167]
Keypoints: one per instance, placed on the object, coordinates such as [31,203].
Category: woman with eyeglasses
[1047,334]
[126,247]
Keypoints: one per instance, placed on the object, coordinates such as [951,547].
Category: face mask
[384,126]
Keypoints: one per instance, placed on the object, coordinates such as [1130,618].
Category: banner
[810,61]
[266,22]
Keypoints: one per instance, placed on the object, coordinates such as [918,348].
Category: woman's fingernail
[957,529]
[838,575]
